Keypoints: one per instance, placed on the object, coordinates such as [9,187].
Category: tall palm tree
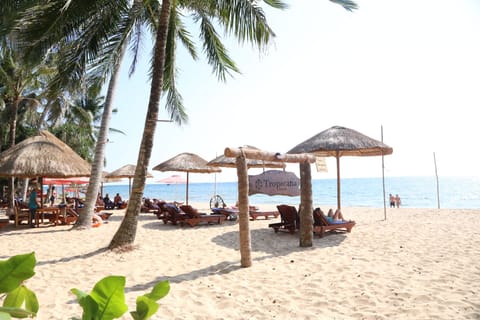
[233,16]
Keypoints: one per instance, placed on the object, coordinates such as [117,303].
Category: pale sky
[410,66]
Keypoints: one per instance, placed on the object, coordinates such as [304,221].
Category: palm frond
[347,4]
[217,55]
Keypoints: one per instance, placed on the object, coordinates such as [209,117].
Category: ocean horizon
[415,192]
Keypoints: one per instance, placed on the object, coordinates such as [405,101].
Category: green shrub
[105,302]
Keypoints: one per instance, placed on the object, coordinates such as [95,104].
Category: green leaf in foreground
[106,301]
[17,297]
[16,270]
[146,305]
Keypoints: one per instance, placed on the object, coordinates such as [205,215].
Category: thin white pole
[436,175]
[383,180]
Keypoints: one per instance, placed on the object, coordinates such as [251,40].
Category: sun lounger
[322,225]
[195,217]
[266,214]
[289,219]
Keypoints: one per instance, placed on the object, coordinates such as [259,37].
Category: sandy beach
[417,264]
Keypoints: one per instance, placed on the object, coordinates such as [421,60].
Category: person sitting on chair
[117,201]
[107,203]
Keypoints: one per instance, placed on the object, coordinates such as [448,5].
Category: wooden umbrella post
[243,216]
[337,156]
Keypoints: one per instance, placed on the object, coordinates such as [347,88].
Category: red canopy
[62,181]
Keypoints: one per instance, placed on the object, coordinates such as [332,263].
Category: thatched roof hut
[43,155]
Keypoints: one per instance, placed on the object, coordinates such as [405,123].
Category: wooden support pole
[306,210]
[243,216]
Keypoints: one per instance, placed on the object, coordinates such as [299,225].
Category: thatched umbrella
[43,155]
[127,171]
[186,162]
[340,141]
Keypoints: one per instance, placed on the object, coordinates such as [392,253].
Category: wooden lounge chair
[195,217]
[173,214]
[322,225]
[289,219]
[254,214]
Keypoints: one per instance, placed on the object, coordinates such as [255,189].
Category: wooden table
[40,214]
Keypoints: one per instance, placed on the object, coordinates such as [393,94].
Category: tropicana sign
[274,182]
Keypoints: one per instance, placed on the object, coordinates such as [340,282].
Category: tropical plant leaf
[159,291]
[6,313]
[146,308]
[89,306]
[18,296]
[109,294]
[15,270]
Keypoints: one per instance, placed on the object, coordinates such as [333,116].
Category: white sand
[418,264]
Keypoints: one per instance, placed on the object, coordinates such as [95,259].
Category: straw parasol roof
[43,155]
[223,161]
[186,162]
[127,171]
[340,141]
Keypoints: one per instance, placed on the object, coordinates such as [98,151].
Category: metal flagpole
[383,180]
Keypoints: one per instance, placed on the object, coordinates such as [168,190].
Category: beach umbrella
[339,141]
[186,162]
[173,179]
[127,171]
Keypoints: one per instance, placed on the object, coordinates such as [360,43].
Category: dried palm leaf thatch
[127,171]
[43,155]
[340,141]
[186,162]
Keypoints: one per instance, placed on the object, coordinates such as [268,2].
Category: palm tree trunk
[125,235]
[306,210]
[96,174]
[243,224]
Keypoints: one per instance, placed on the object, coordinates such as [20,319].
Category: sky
[409,67]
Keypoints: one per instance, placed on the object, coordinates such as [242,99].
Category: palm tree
[245,20]
[234,17]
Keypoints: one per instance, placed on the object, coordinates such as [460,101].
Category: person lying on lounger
[336,217]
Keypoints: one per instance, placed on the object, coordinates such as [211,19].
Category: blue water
[415,192]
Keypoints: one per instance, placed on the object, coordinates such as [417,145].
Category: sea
[415,192]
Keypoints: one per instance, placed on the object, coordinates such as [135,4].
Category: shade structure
[186,162]
[173,179]
[127,171]
[229,162]
[339,141]
[64,181]
[43,155]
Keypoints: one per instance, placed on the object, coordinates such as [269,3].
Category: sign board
[274,182]
[321,164]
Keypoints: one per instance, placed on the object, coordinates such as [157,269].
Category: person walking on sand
[392,201]
[398,201]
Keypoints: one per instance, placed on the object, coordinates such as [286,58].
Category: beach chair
[254,214]
[289,219]
[322,225]
[173,214]
[195,217]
